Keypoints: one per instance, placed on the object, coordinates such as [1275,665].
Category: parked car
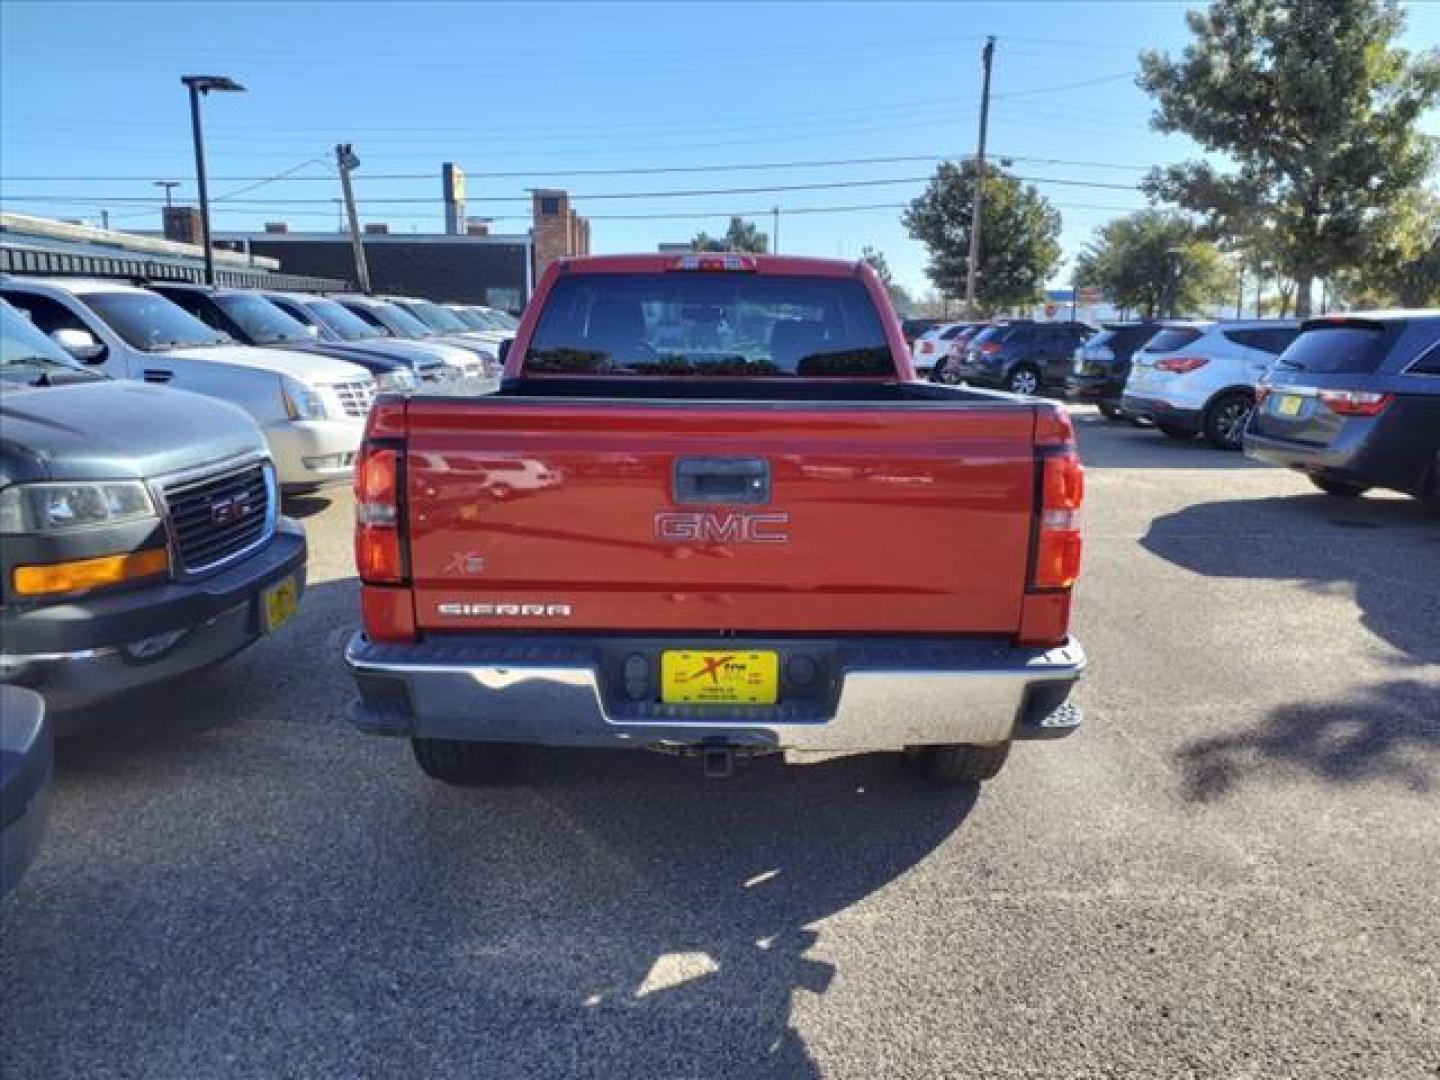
[140,528]
[947,366]
[400,323]
[449,327]
[1102,364]
[490,324]
[251,319]
[27,763]
[934,345]
[431,362]
[1200,378]
[720,585]
[914,329]
[1354,404]
[1022,356]
[311,408]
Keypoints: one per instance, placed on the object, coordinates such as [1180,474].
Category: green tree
[899,295]
[742,235]
[1019,246]
[1316,108]
[1402,264]
[1155,263]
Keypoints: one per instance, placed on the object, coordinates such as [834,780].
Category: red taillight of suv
[1181,365]
[379,552]
[989,346]
[1355,402]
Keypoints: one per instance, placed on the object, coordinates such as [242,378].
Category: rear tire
[1174,432]
[1225,421]
[456,761]
[958,763]
[1024,379]
[1339,488]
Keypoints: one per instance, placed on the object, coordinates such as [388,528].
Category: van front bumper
[874,694]
[93,648]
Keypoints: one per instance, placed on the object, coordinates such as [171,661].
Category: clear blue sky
[91,92]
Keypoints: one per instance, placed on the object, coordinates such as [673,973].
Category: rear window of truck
[726,324]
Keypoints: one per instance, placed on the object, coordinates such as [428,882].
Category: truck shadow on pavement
[1392,732]
[302,901]
[1323,543]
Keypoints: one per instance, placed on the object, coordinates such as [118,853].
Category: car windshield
[262,322]
[501,320]
[472,319]
[151,323]
[439,319]
[343,321]
[400,322]
[709,324]
[24,349]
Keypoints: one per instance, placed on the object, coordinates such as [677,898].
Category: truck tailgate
[618,515]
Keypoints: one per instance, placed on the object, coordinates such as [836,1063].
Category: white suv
[311,408]
[1195,378]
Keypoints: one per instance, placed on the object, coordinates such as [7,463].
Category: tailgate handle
[721,480]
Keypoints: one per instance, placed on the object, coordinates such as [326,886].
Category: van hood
[117,430]
[307,367]
[410,353]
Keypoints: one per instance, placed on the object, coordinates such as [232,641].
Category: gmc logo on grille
[676,527]
[229,511]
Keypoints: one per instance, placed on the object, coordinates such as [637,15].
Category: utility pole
[775,241]
[346,160]
[976,215]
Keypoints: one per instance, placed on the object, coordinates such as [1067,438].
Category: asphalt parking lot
[1232,871]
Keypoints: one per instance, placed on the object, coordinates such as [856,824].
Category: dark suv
[1023,357]
[1354,403]
[1102,363]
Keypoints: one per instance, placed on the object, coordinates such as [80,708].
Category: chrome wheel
[1024,381]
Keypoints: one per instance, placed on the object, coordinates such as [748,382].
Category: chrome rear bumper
[866,695]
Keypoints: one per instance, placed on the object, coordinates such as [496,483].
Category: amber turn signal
[82,574]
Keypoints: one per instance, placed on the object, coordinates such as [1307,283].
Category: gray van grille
[216,517]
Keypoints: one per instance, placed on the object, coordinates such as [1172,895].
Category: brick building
[558,231]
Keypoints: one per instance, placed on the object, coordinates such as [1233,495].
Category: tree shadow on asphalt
[1323,543]
[312,904]
[1392,732]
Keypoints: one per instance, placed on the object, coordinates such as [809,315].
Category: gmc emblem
[227,511]
[680,527]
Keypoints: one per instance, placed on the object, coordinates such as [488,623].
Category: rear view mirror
[80,344]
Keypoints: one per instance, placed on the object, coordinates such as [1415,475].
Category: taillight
[1355,402]
[1181,365]
[379,552]
[715,262]
[927,346]
[1057,549]
[989,346]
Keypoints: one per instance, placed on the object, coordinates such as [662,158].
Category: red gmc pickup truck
[711,511]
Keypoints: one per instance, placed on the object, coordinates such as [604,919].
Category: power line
[270,179]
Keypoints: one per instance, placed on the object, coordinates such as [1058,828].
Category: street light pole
[169,186]
[198,85]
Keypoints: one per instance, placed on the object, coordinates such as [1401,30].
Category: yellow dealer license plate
[1289,404]
[277,604]
[717,677]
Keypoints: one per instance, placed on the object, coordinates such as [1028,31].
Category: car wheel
[1175,432]
[958,763]
[1023,380]
[1225,421]
[456,761]
[1339,488]
[1111,412]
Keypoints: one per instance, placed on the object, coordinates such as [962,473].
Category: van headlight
[301,402]
[399,381]
[48,508]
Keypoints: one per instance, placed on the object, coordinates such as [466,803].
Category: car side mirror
[80,344]
[505,348]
